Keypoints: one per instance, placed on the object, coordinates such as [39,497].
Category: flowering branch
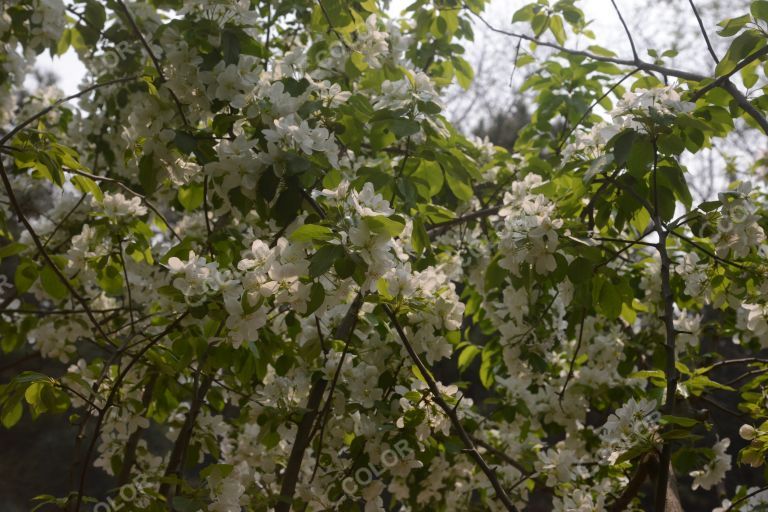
[501,494]
[155,60]
[5,138]
[110,401]
[41,249]
[305,429]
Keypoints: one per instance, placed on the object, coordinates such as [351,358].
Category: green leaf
[311,232]
[316,298]
[464,72]
[95,14]
[673,179]
[382,225]
[622,146]
[186,142]
[52,283]
[420,237]
[467,356]
[458,181]
[11,414]
[323,259]
[28,377]
[610,300]
[679,420]
[230,46]
[184,504]
[428,178]
[557,28]
[759,10]
[486,369]
[741,47]
[400,127]
[523,14]
[87,186]
[11,249]
[25,276]
[191,197]
[64,41]
[148,173]
[733,26]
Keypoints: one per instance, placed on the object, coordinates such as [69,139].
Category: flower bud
[747,432]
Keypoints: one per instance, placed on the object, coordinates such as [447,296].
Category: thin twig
[707,251]
[704,32]
[486,212]
[626,29]
[592,106]
[573,360]
[64,219]
[746,497]
[128,189]
[152,56]
[110,400]
[39,244]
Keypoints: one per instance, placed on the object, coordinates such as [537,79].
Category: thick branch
[646,466]
[168,489]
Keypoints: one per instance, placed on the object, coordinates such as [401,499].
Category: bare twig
[704,32]
[486,212]
[573,360]
[626,29]
[110,401]
[128,189]
[592,106]
[707,251]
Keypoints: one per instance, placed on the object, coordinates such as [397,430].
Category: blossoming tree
[260,236]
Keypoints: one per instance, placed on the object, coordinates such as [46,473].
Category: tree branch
[60,102]
[704,32]
[501,494]
[152,56]
[305,429]
[626,29]
[41,248]
[741,100]
[110,401]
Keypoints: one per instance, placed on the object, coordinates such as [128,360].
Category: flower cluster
[530,229]
[715,470]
